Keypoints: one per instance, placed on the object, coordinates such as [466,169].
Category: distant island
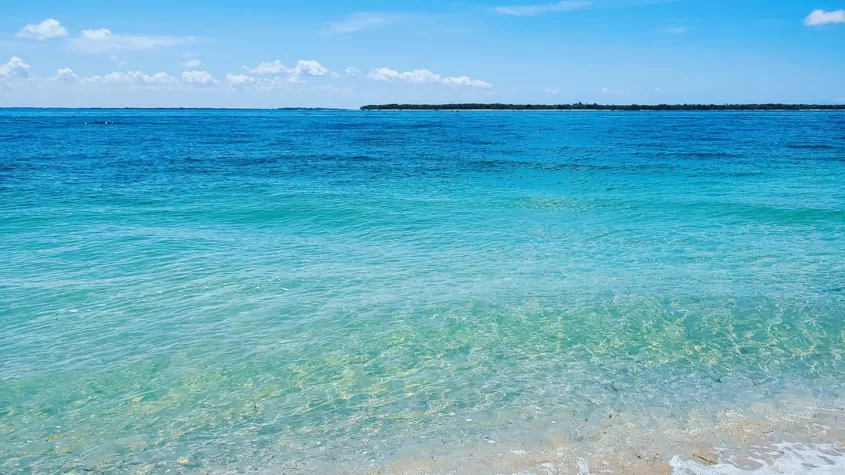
[580,106]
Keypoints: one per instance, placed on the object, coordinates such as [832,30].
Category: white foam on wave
[779,459]
[784,458]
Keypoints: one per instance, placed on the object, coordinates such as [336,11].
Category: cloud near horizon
[534,10]
[199,78]
[240,79]
[132,78]
[15,68]
[423,76]
[302,68]
[66,75]
[139,79]
[16,72]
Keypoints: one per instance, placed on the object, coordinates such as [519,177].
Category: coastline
[583,107]
[599,110]
[789,435]
[425,108]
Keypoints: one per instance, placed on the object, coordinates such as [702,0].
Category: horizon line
[574,106]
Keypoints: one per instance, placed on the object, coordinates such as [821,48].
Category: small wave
[810,146]
[782,458]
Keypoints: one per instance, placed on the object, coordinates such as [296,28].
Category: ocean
[224,291]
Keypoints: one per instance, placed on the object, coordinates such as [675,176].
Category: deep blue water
[240,290]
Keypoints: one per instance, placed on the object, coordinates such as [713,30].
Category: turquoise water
[316,291]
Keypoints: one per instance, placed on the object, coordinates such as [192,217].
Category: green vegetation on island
[609,107]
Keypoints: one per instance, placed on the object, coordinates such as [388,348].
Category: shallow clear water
[333,290]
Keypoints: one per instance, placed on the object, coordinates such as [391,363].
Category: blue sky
[348,53]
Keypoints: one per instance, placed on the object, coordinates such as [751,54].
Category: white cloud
[358,22]
[616,92]
[552,90]
[466,82]
[199,78]
[276,67]
[423,76]
[66,75]
[103,40]
[310,68]
[534,10]
[240,79]
[418,76]
[136,78]
[657,89]
[302,68]
[15,68]
[47,29]
[821,17]
[158,80]
[674,30]
[352,71]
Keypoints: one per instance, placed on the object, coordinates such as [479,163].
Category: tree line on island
[608,107]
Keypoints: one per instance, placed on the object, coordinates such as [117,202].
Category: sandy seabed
[792,437]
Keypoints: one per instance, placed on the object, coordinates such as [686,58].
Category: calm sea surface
[338,291]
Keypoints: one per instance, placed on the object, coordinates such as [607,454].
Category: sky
[347,53]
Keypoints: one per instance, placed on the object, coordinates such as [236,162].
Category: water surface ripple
[266,290]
